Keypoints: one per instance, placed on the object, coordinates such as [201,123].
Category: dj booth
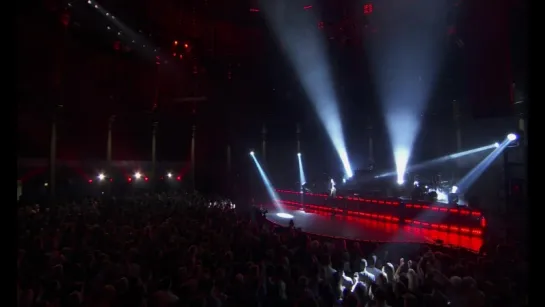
[441,217]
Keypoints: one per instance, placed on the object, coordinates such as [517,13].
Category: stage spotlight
[470,178]
[268,185]
[401,157]
[251,153]
[306,49]
[512,137]
[302,178]
[101,177]
[169,175]
[454,189]
[137,175]
[284,215]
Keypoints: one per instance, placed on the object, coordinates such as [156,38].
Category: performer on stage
[332,188]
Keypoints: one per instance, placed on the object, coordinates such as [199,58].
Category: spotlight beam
[472,176]
[268,185]
[126,33]
[302,178]
[405,58]
[442,159]
[305,49]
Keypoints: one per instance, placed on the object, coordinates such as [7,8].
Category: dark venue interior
[271,153]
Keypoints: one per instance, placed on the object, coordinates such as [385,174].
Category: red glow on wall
[65,18]
[307,7]
[254,10]
[368,8]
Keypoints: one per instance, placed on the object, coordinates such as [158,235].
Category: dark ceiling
[73,54]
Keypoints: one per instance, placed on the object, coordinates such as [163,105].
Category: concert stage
[421,214]
[355,228]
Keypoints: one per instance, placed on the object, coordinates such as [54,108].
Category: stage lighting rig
[514,139]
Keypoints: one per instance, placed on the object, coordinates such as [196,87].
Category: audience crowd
[173,250]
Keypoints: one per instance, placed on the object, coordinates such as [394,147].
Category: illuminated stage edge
[339,226]
[424,215]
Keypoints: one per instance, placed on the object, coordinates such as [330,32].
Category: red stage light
[368,8]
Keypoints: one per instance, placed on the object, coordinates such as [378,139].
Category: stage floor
[352,228]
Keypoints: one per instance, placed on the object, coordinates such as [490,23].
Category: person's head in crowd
[372,261]
[389,270]
[456,283]
[363,265]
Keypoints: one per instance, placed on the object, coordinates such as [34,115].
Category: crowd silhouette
[184,250]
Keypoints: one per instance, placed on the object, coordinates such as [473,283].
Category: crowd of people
[182,250]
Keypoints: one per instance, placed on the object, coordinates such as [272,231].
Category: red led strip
[449,210]
[444,227]
[394,203]
[440,227]
[353,213]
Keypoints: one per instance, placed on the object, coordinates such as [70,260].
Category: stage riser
[416,214]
